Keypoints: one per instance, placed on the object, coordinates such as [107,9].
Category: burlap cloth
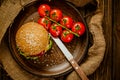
[9,10]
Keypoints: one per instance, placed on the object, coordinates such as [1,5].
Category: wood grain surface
[116,40]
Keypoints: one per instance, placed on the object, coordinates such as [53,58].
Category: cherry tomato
[78,28]
[67,21]
[45,22]
[56,14]
[55,30]
[44,10]
[66,36]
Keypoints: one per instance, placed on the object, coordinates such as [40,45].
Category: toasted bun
[32,38]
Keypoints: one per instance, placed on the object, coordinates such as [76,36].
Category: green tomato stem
[63,26]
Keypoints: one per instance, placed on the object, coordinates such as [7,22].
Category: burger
[32,40]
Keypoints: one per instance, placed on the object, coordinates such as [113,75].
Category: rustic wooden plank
[116,39]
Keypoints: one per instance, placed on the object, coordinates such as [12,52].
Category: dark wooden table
[109,68]
[116,39]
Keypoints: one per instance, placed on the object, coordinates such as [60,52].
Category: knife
[69,57]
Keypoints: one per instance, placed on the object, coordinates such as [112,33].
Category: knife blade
[69,57]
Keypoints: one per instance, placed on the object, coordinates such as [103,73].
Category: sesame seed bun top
[32,38]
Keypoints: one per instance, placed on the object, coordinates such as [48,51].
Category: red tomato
[44,10]
[78,28]
[55,30]
[45,22]
[66,36]
[56,14]
[67,21]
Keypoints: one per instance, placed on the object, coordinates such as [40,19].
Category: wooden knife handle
[78,69]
